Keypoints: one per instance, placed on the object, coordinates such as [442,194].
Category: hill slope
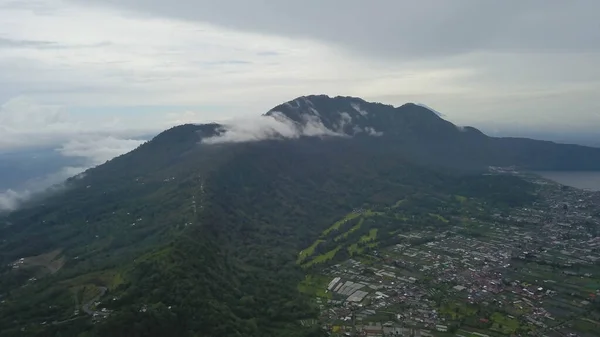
[191,238]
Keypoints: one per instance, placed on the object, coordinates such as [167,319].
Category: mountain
[441,115]
[422,135]
[197,233]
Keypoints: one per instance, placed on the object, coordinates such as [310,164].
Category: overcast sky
[116,68]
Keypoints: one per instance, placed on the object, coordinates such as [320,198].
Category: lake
[580,179]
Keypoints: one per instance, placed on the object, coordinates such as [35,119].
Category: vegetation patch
[336,226]
[354,249]
[398,203]
[308,252]
[351,230]
[108,278]
[439,217]
[323,257]
[460,198]
[315,285]
[504,324]
[370,237]
[50,261]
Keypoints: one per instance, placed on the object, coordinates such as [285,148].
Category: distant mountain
[419,133]
[197,231]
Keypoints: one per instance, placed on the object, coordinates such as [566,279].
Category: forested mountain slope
[196,238]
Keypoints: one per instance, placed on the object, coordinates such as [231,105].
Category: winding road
[86,307]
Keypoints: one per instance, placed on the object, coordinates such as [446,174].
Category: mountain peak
[441,115]
[353,115]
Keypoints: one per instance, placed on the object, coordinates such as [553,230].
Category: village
[530,272]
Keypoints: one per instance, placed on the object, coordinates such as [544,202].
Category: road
[86,307]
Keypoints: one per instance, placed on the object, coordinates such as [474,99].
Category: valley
[524,270]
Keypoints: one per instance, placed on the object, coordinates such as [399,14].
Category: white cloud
[73,55]
[11,199]
[59,56]
[98,150]
[111,58]
[345,119]
[357,107]
[372,132]
[94,149]
[270,127]
[24,123]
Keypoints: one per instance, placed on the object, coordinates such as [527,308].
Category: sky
[90,77]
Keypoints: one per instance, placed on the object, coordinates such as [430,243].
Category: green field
[308,252]
[315,285]
[354,249]
[460,198]
[323,257]
[351,230]
[504,324]
[439,217]
[370,237]
[337,224]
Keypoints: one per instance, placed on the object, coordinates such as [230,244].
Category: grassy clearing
[354,249]
[439,217]
[504,324]
[86,293]
[308,252]
[400,217]
[457,310]
[336,226]
[351,230]
[370,237]
[50,261]
[586,325]
[460,198]
[323,257]
[372,213]
[315,285]
[108,278]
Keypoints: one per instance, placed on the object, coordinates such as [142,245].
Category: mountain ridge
[418,133]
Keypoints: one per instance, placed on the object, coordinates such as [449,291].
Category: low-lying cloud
[94,151]
[98,150]
[26,125]
[11,199]
[273,126]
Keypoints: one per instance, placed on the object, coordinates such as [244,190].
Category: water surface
[588,180]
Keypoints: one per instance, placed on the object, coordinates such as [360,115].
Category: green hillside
[179,238]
